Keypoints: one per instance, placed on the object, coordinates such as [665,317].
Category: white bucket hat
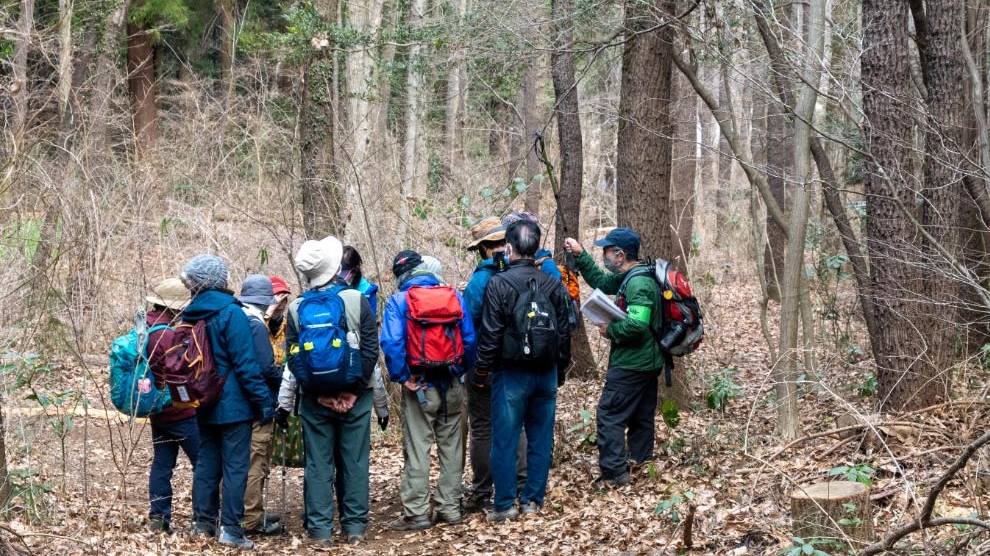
[319,261]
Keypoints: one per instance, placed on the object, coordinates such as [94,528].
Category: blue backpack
[326,362]
[132,384]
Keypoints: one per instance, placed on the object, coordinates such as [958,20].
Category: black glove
[383,422]
[282,418]
[479,378]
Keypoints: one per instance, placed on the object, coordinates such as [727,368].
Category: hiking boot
[503,515]
[159,524]
[449,519]
[355,538]
[529,508]
[615,482]
[475,501]
[202,528]
[321,543]
[235,540]
[417,523]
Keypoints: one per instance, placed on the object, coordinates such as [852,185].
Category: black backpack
[531,338]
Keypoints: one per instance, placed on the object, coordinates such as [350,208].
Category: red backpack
[190,371]
[433,329]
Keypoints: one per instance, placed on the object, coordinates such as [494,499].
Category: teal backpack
[132,384]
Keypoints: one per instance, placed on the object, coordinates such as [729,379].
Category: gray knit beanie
[205,272]
[433,265]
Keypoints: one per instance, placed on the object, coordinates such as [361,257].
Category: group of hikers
[486,356]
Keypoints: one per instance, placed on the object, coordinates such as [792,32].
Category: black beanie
[405,261]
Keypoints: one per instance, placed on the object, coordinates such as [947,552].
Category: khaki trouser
[422,427]
[261,447]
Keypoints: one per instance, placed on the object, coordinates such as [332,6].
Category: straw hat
[486,229]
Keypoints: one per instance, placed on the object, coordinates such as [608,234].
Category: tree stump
[838,510]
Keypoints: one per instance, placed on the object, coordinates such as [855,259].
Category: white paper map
[600,309]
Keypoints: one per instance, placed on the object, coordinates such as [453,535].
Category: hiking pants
[522,399]
[254,494]
[626,418]
[437,423]
[224,455]
[479,408]
[167,438]
[329,435]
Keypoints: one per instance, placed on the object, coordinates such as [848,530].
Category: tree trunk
[321,196]
[105,81]
[454,118]
[571,164]
[780,157]
[228,26]
[943,175]
[644,150]
[903,377]
[141,88]
[723,194]
[531,124]
[684,163]
[19,90]
[414,85]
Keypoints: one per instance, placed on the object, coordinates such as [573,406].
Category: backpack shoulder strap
[352,309]
[637,271]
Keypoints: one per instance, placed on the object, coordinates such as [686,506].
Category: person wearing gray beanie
[220,475]
[432,265]
[205,272]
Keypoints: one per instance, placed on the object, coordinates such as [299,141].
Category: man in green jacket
[629,399]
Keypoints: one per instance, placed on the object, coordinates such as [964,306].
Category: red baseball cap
[279,285]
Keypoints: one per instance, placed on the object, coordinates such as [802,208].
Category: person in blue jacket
[432,401]
[225,428]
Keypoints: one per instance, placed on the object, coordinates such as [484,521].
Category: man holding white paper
[628,403]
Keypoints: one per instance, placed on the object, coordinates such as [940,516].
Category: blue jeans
[166,439]
[522,399]
[224,453]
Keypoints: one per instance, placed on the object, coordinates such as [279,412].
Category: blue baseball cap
[623,238]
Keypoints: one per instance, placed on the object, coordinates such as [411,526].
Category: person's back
[432,392]
[173,428]
[225,428]
[523,342]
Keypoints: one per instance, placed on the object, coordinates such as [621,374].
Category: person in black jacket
[524,387]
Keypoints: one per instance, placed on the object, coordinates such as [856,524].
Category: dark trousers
[479,410]
[626,419]
[167,438]
[224,454]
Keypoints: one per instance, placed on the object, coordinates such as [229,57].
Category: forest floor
[725,468]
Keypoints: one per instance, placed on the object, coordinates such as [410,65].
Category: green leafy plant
[860,473]
[867,386]
[802,547]
[723,389]
[852,520]
[671,413]
[671,508]
[585,430]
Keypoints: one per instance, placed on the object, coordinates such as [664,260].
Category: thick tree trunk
[454,118]
[723,193]
[571,167]
[20,90]
[141,88]
[904,371]
[644,146]
[228,26]
[414,84]
[780,157]
[105,81]
[321,196]
[943,178]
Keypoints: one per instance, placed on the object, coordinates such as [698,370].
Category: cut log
[838,510]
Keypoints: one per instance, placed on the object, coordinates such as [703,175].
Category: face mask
[611,264]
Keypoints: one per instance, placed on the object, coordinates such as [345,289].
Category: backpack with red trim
[683,326]
[433,330]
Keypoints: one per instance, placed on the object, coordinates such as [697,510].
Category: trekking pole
[285,447]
